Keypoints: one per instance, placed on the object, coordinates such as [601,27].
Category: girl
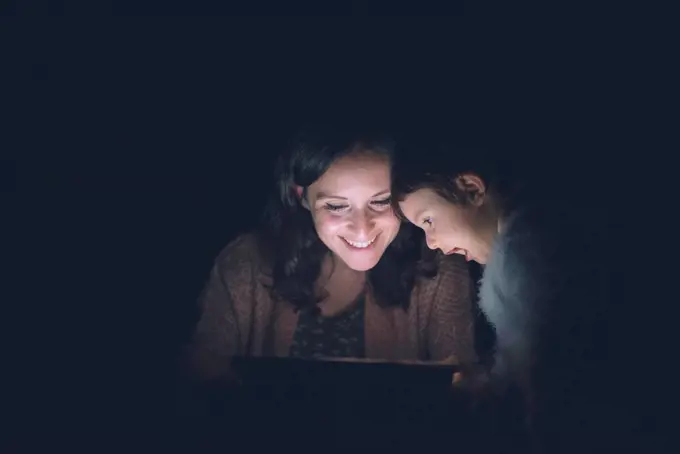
[545,285]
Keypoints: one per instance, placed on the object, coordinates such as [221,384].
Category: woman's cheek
[390,224]
[328,222]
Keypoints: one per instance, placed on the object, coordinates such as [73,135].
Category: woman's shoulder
[453,274]
[242,255]
[451,268]
[242,248]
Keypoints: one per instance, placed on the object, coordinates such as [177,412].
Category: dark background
[147,144]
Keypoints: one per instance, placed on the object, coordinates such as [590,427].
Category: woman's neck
[339,284]
[333,269]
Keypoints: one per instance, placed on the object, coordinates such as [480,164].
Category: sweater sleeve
[226,306]
[451,323]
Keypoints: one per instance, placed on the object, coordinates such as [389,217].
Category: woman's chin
[361,265]
[360,261]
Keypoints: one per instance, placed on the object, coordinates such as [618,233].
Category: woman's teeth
[359,244]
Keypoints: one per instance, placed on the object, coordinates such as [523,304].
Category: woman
[332,273]
[544,287]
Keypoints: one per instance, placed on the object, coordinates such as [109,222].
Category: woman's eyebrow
[324,195]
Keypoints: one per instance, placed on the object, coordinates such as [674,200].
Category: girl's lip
[457,250]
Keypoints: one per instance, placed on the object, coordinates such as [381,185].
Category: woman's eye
[331,207]
[382,203]
[427,221]
[378,204]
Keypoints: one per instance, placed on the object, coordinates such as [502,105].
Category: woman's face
[467,229]
[350,205]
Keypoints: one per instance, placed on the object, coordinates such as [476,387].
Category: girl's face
[350,206]
[456,228]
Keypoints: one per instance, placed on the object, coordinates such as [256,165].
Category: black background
[146,145]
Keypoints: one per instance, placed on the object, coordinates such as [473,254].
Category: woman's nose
[363,223]
[430,242]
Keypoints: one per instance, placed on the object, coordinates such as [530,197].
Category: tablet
[343,371]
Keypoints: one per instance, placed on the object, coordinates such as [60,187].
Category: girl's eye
[427,221]
[331,207]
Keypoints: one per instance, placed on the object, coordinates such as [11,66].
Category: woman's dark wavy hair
[291,244]
[437,168]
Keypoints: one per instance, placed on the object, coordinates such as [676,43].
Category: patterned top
[339,336]
[239,317]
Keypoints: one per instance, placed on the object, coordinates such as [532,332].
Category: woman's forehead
[360,161]
[364,172]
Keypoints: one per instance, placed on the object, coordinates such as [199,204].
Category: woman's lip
[370,246]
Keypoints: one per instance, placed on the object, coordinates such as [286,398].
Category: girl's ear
[473,186]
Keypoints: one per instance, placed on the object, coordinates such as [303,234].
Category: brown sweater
[239,316]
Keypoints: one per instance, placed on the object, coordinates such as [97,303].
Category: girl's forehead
[419,201]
